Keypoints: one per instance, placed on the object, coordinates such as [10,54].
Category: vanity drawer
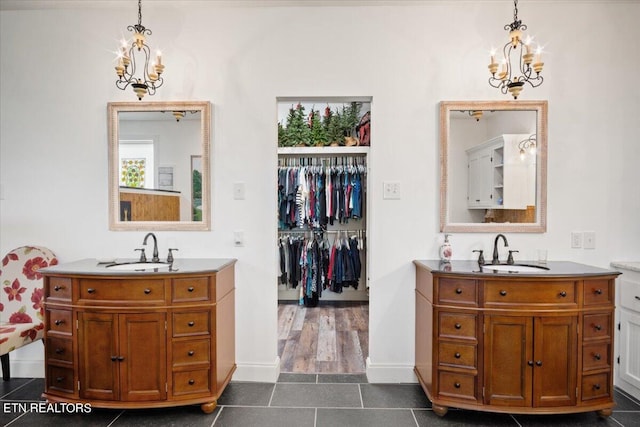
[597,326]
[629,293]
[499,293]
[59,288]
[596,356]
[190,289]
[459,355]
[597,292]
[59,349]
[191,323]
[191,352]
[122,291]
[457,291]
[595,386]
[456,325]
[60,380]
[59,321]
[191,382]
[459,386]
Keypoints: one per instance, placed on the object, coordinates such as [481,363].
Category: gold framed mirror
[159,165]
[493,166]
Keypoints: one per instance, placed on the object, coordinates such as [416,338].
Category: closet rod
[322,231]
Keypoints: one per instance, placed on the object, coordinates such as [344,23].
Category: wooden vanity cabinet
[140,341]
[515,344]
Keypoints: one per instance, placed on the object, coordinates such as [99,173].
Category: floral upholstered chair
[21,299]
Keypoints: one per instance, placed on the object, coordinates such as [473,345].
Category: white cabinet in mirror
[159,165]
[493,166]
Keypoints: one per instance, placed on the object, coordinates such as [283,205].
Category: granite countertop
[627,265]
[555,269]
[92,267]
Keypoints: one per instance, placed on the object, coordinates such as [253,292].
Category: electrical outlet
[391,190]
[576,239]
[589,239]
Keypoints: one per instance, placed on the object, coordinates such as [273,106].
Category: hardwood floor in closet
[330,338]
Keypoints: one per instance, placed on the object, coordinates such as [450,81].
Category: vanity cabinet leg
[208,407]
[604,413]
[440,411]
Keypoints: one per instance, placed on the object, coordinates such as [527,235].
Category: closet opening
[323,298]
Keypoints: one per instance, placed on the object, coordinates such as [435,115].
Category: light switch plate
[589,239]
[391,190]
[238,238]
[576,239]
[238,190]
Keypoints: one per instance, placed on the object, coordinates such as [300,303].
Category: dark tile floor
[300,400]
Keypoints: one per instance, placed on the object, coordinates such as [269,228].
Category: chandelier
[527,144]
[130,61]
[519,62]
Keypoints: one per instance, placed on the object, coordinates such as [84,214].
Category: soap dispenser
[445,249]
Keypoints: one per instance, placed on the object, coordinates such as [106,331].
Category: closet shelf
[332,151]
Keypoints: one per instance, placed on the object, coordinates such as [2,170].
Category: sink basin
[139,266]
[514,268]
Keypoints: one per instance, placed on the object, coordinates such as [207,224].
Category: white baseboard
[390,373]
[26,368]
[257,372]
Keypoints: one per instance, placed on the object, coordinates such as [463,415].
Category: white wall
[56,77]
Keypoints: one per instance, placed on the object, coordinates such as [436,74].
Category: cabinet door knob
[503,292]
[190,289]
[90,290]
[457,355]
[191,323]
[456,385]
[192,382]
[59,379]
[58,322]
[597,356]
[538,362]
[57,287]
[457,326]
[120,358]
[563,294]
[114,358]
[598,327]
[147,291]
[191,353]
[530,363]
[598,291]
[458,291]
[596,386]
[59,350]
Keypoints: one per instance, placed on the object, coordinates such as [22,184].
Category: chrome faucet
[495,259]
[155,257]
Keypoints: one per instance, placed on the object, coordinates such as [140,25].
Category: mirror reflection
[493,167]
[159,157]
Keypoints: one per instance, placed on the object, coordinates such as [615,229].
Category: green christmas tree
[318,132]
[298,131]
[282,136]
[334,128]
[350,118]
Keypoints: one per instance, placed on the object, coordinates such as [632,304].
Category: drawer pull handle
[503,292]
[456,385]
[147,291]
[598,327]
[637,297]
[457,326]
[457,355]
[538,362]
[120,358]
[530,363]
[458,291]
[90,290]
[114,358]
[598,291]
[59,379]
[58,288]
[59,350]
[596,386]
[58,322]
[190,289]
[192,382]
[191,323]
[597,356]
[191,353]
[563,294]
